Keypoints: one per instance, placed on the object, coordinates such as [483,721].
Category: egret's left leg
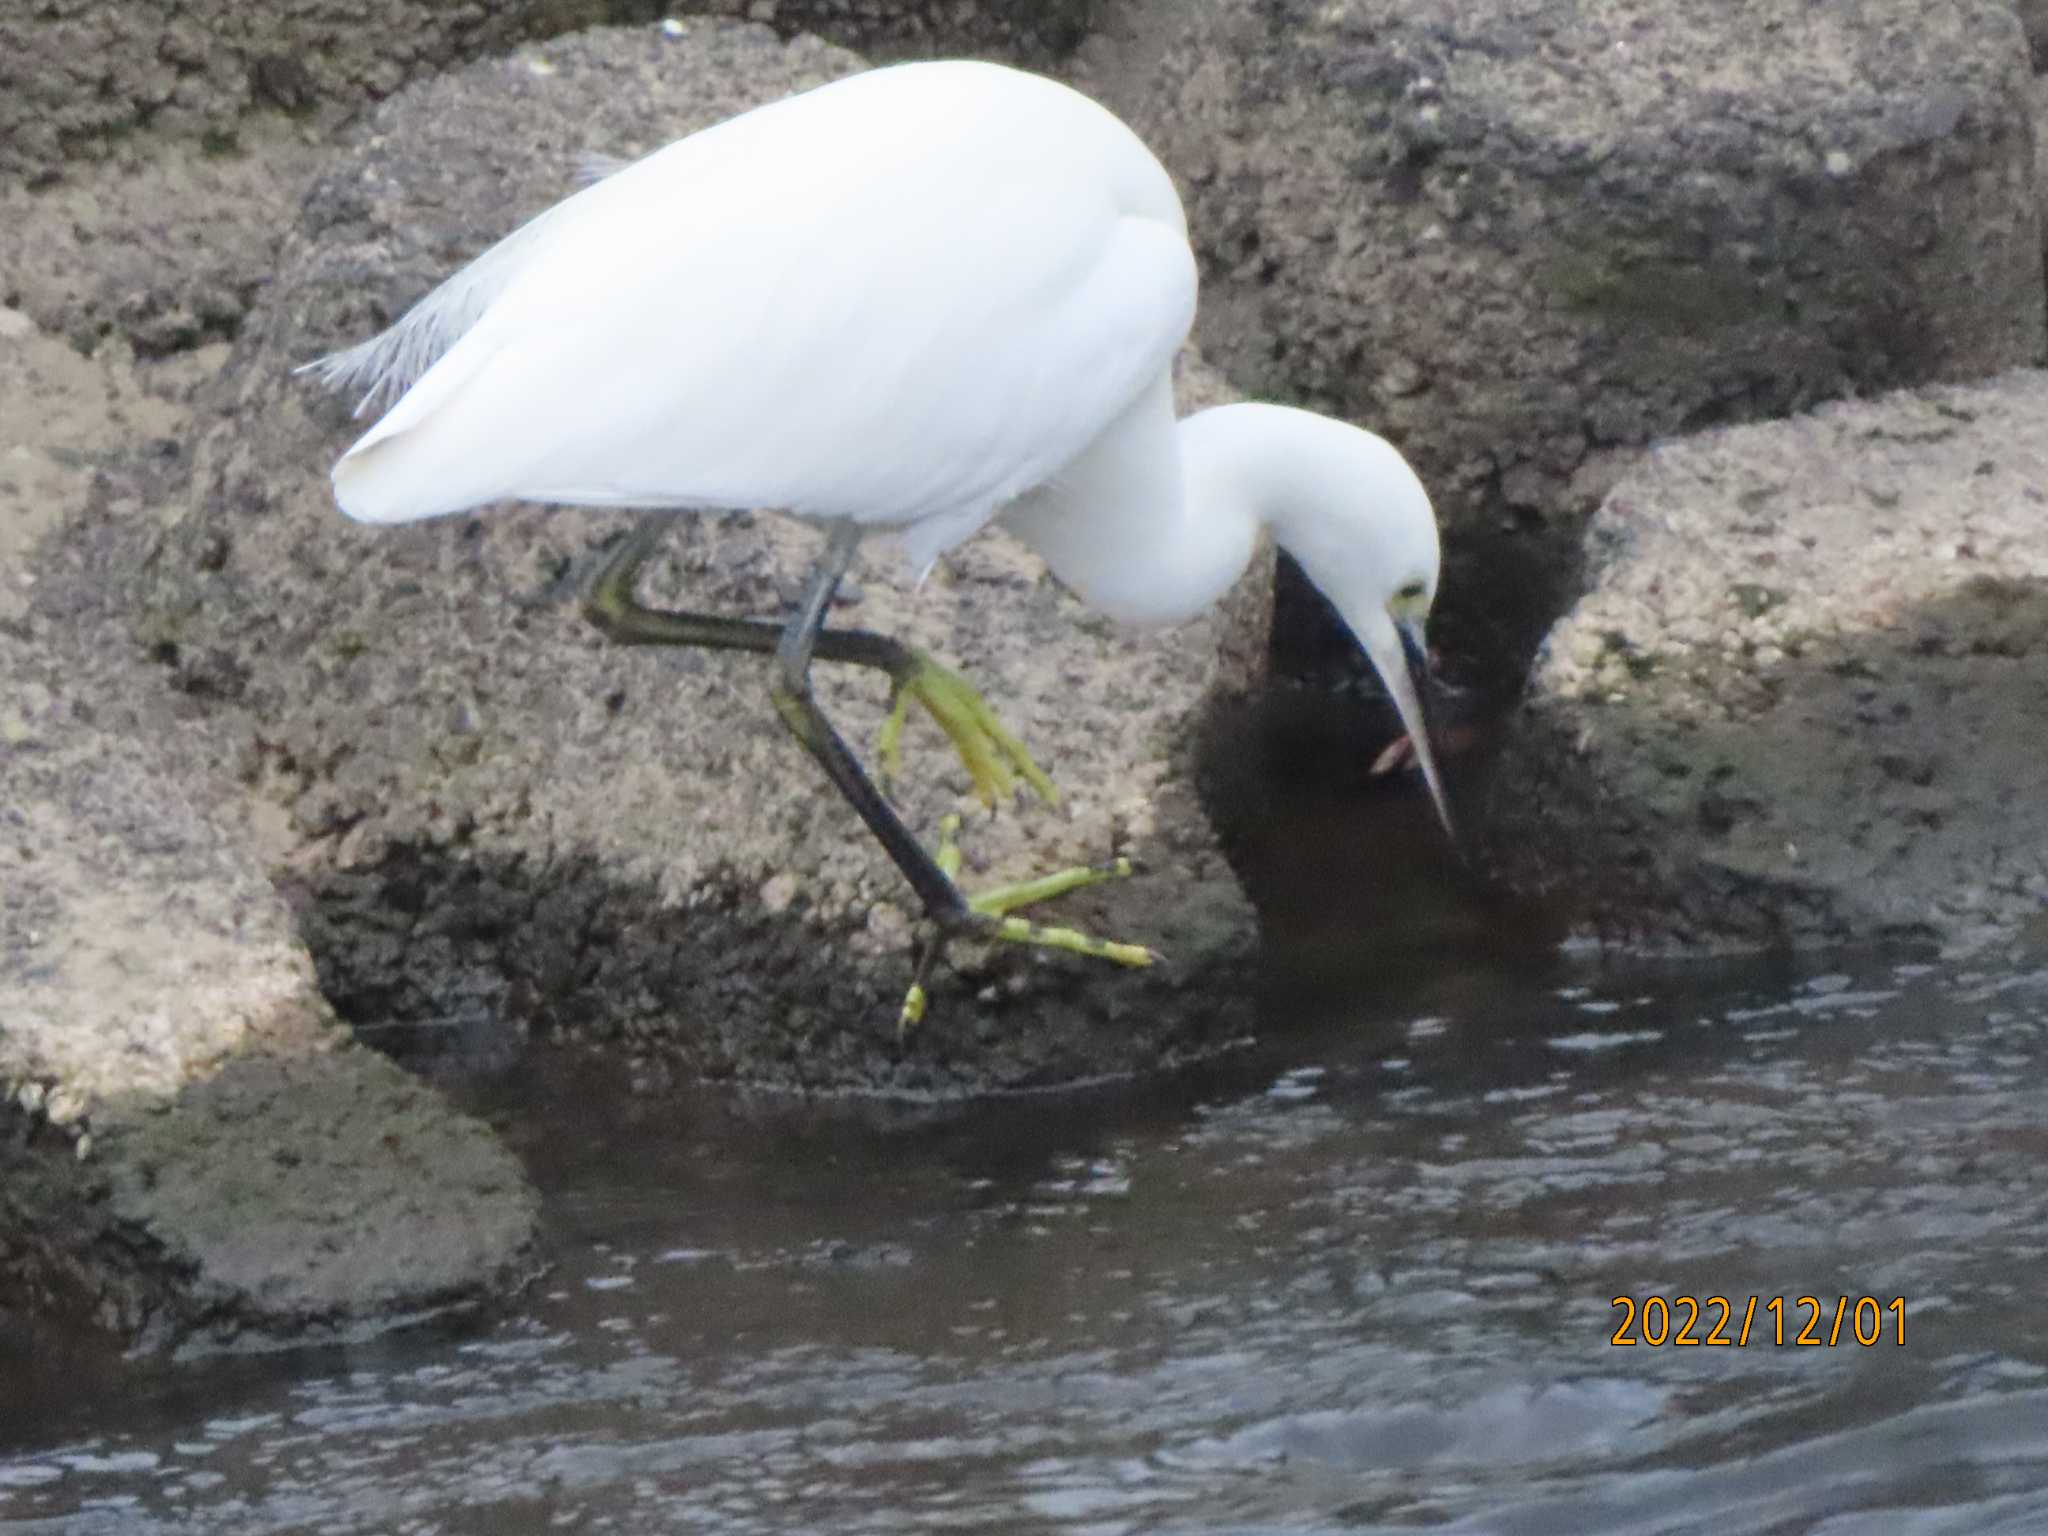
[994,758]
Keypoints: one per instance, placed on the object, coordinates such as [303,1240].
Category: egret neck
[1157,519]
[1147,525]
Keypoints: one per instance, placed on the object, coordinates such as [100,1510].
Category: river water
[1361,1278]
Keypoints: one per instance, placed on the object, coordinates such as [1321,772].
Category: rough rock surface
[2040,97]
[1034,33]
[161,251]
[58,412]
[81,79]
[2034,20]
[1515,236]
[84,79]
[1803,700]
[490,815]
[188,1140]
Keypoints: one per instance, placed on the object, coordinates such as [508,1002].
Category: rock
[188,1141]
[490,814]
[1802,700]
[61,413]
[1515,237]
[2034,21]
[162,251]
[1036,33]
[80,79]
[2040,98]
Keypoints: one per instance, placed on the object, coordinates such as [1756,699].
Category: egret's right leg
[994,758]
[997,903]
[944,905]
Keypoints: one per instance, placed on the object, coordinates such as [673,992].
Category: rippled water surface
[1359,1280]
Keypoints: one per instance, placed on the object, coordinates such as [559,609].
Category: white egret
[919,300]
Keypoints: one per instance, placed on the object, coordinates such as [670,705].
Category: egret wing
[892,303]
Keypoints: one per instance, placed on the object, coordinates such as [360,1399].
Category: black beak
[1422,730]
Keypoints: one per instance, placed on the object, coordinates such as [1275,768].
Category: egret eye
[1413,592]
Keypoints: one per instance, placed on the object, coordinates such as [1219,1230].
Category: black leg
[618,615]
[994,759]
[791,690]
[612,607]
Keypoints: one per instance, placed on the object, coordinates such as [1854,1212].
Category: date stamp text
[1820,1321]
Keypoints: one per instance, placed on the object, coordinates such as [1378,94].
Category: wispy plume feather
[594,166]
[390,363]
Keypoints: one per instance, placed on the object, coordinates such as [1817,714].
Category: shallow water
[1359,1280]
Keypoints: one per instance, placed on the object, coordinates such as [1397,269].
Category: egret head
[1359,523]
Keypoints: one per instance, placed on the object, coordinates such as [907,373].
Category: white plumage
[779,312]
[915,299]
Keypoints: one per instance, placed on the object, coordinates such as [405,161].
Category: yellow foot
[990,918]
[995,759]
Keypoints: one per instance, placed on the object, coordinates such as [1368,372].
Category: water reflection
[1360,1281]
